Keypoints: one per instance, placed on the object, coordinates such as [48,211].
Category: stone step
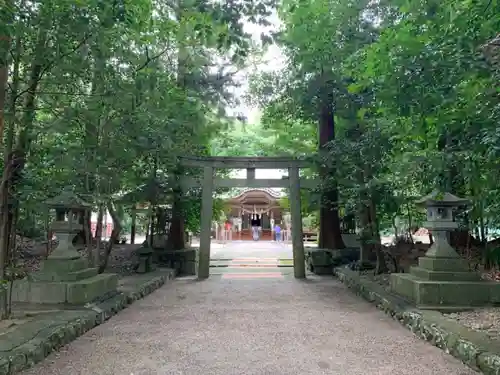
[445,293]
[444,275]
[254,260]
[64,292]
[224,270]
[253,275]
[87,290]
[83,274]
[252,264]
[62,276]
[232,265]
[59,265]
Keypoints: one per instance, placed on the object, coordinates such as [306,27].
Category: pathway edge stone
[475,349]
[65,326]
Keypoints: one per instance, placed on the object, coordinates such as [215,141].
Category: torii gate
[209,182]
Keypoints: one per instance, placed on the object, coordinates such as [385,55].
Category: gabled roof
[271,193]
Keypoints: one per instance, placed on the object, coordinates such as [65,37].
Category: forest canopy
[393,98]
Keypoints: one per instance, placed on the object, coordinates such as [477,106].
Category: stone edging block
[50,333]
[475,349]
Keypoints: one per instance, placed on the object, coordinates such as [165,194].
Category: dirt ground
[252,326]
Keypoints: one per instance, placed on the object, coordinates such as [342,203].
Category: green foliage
[104,95]
[192,209]
[415,98]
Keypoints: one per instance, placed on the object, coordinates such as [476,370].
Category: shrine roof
[272,194]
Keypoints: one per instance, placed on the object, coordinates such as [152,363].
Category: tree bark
[5,45]
[6,19]
[176,235]
[330,235]
[4,74]
[15,155]
[365,235]
[381,266]
[98,235]
[98,226]
[115,235]
[176,239]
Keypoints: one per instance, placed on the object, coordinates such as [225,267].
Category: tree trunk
[330,235]
[93,127]
[410,223]
[6,18]
[15,160]
[4,74]
[483,238]
[98,235]
[175,239]
[381,266]
[6,211]
[87,230]
[395,227]
[133,225]
[98,226]
[365,235]
[115,235]
[12,176]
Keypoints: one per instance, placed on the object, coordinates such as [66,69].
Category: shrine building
[256,206]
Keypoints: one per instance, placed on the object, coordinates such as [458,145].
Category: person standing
[255,228]
[277,233]
[228,230]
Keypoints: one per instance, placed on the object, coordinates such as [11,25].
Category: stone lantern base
[444,284]
[64,281]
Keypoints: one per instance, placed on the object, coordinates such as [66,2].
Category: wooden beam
[190,182]
[235,162]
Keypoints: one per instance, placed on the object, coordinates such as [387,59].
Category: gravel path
[250,326]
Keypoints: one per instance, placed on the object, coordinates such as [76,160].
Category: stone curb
[476,349]
[70,324]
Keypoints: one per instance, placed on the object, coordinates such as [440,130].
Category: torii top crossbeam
[240,162]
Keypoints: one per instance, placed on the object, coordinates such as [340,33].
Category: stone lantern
[439,208]
[68,207]
[443,280]
[64,277]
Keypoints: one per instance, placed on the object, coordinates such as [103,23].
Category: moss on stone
[35,340]
[476,349]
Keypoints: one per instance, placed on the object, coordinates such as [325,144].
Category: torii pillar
[206,223]
[299,265]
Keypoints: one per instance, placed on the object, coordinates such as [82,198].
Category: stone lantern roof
[437,198]
[68,200]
